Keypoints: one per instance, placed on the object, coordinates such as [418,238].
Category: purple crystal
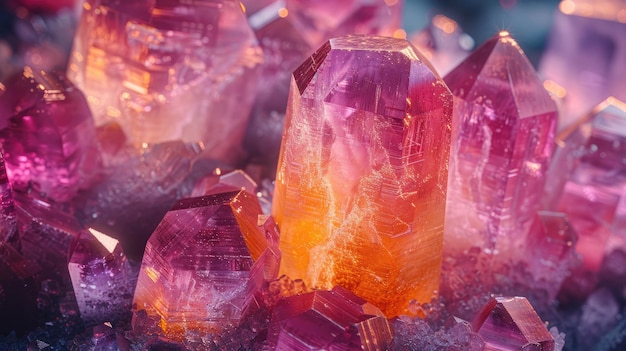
[230,181]
[102,278]
[48,134]
[204,264]
[328,320]
[511,323]
[502,143]
[585,55]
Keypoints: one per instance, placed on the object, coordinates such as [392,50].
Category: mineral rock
[362,171]
[511,323]
[585,54]
[102,278]
[443,43]
[328,320]
[47,134]
[204,264]
[169,70]
[503,139]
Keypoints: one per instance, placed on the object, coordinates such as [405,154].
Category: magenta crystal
[328,320]
[102,278]
[511,323]
[7,207]
[502,142]
[204,264]
[47,134]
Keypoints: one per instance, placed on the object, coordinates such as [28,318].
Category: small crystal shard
[204,264]
[362,171]
[500,150]
[47,134]
[101,276]
[328,320]
[169,70]
[511,323]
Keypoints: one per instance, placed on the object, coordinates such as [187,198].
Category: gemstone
[105,338]
[204,264]
[289,31]
[511,323]
[593,196]
[169,70]
[47,134]
[585,55]
[328,320]
[362,172]
[229,181]
[501,146]
[102,278]
[443,43]
[7,207]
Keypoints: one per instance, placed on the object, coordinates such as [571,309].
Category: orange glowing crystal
[361,181]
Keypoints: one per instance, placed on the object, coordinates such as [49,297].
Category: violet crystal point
[502,142]
[169,69]
[204,264]
[102,278]
[360,190]
[229,181]
[328,320]
[586,54]
[47,134]
[511,324]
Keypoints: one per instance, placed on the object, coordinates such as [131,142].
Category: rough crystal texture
[102,278]
[328,320]
[502,143]
[593,197]
[168,69]
[204,264]
[511,323]
[47,134]
[443,43]
[288,31]
[585,54]
[362,171]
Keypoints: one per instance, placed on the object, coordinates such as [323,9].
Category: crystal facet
[511,323]
[204,264]
[502,143]
[169,70]
[328,320]
[47,134]
[362,171]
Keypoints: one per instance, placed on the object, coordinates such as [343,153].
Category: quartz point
[328,320]
[585,54]
[443,43]
[47,134]
[511,323]
[102,278]
[502,142]
[169,70]
[362,172]
[204,264]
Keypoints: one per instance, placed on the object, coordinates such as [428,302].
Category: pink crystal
[511,323]
[48,134]
[585,55]
[328,320]
[101,276]
[502,143]
[204,264]
[169,70]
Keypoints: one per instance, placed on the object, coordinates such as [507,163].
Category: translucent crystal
[361,172]
[502,143]
[102,278]
[204,264]
[169,70]
[47,134]
[328,320]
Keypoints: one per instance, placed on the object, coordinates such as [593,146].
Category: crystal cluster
[362,171]
[168,70]
[204,264]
